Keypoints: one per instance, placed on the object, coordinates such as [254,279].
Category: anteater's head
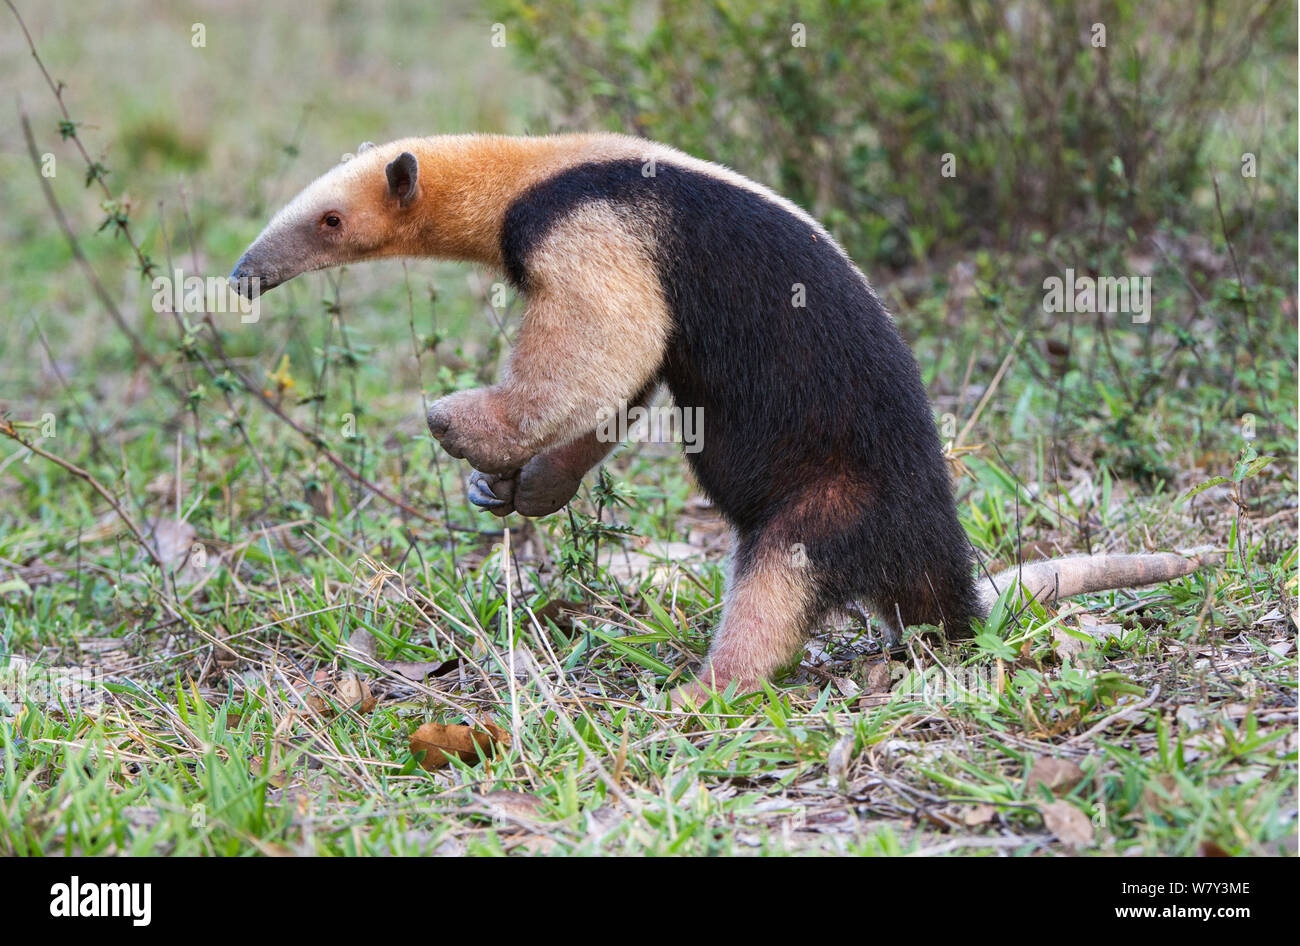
[365,208]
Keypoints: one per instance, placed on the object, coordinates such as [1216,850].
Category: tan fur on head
[466,185]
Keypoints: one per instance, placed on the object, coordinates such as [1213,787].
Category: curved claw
[481,495]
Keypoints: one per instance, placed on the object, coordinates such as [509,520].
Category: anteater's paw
[697,693]
[689,695]
[494,493]
[539,489]
[471,426]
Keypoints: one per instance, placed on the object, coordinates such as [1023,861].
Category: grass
[210,702]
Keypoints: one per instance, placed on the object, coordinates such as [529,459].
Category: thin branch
[7,429]
[137,346]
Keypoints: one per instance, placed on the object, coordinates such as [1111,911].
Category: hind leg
[768,610]
[943,595]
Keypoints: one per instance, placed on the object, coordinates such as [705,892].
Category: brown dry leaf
[418,670]
[980,814]
[176,544]
[1057,775]
[1097,629]
[536,844]
[172,540]
[363,643]
[321,501]
[1068,823]
[1025,659]
[1211,849]
[514,806]
[1157,794]
[561,612]
[274,779]
[878,678]
[349,692]
[1066,647]
[439,742]
[837,762]
[354,693]
[846,686]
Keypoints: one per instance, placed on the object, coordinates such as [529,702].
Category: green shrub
[848,107]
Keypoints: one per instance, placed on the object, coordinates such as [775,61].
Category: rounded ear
[403,176]
[365,146]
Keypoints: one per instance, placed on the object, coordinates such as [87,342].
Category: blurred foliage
[977,146]
[848,107]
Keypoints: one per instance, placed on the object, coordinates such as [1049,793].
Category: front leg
[549,480]
[477,426]
[593,334]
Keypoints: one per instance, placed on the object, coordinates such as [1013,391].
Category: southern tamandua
[643,266]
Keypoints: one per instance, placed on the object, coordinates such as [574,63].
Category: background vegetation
[215,508]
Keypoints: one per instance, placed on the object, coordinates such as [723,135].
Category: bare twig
[141,353]
[137,347]
[94,171]
[7,429]
[1124,713]
[993,386]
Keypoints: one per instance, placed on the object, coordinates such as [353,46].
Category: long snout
[250,277]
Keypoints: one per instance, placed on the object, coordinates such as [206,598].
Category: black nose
[246,281]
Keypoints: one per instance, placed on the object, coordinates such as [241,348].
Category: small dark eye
[332,220]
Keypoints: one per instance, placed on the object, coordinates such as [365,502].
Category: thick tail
[1078,574]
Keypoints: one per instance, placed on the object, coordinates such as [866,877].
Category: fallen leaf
[1280,648]
[560,612]
[172,541]
[363,643]
[439,742]
[878,677]
[837,762]
[419,670]
[1190,717]
[354,693]
[980,814]
[535,844]
[1056,775]
[846,686]
[320,500]
[514,806]
[1068,823]
[1097,629]
[1210,849]
[274,779]
[1066,646]
[349,691]
[176,544]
